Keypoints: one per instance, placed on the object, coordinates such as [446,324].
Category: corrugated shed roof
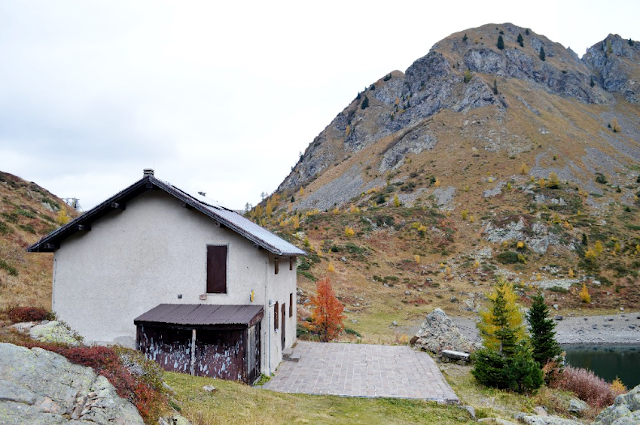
[202,314]
[229,218]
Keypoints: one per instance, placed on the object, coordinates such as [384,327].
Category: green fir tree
[543,55]
[511,364]
[500,43]
[520,40]
[541,327]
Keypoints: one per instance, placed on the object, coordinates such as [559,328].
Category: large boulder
[624,411]
[41,387]
[438,332]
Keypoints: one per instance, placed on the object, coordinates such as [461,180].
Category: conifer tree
[326,316]
[490,324]
[543,56]
[507,361]
[541,328]
[500,43]
[365,103]
[520,40]
[495,87]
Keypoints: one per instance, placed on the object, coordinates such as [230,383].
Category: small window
[216,269]
[276,312]
[291,305]
[291,261]
[276,264]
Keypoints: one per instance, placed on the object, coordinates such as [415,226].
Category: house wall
[152,252]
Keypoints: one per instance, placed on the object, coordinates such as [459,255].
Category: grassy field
[242,404]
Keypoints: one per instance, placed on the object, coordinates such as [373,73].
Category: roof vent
[147,172]
[202,194]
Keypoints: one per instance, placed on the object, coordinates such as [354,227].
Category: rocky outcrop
[55,331]
[613,61]
[41,387]
[624,411]
[438,332]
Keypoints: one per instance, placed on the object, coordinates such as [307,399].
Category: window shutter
[290,305]
[275,316]
[217,269]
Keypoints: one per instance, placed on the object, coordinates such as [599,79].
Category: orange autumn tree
[326,316]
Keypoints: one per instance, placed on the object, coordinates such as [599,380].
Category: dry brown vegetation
[27,212]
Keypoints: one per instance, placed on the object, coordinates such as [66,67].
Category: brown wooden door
[283,327]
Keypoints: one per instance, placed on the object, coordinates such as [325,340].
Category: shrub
[601,178]
[554,182]
[524,169]
[348,231]
[28,314]
[467,76]
[615,126]
[584,294]
[508,257]
[585,385]
[386,77]
[617,387]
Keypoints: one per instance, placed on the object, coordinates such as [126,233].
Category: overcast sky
[219,97]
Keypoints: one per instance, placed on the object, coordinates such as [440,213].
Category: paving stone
[362,370]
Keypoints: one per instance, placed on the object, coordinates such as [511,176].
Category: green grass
[237,403]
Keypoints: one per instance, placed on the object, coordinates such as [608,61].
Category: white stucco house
[196,286]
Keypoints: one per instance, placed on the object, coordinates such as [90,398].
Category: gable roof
[223,216]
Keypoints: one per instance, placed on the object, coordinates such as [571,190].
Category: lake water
[608,362]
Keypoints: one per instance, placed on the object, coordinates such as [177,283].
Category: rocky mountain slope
[27,212]
[468,95]
[500,151]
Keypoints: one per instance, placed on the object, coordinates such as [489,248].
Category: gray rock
[174,420]
[54,331]
[624,411]
[546,420]
[438,332]
[496,421]
[577,406]
[539,411]
[41,387]
[471,410]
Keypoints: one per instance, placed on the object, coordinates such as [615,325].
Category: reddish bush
[585,385]
[28,314]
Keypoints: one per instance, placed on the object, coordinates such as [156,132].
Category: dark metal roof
[202,314]
[224,216]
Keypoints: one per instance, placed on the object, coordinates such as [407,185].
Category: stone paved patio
[360,370]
